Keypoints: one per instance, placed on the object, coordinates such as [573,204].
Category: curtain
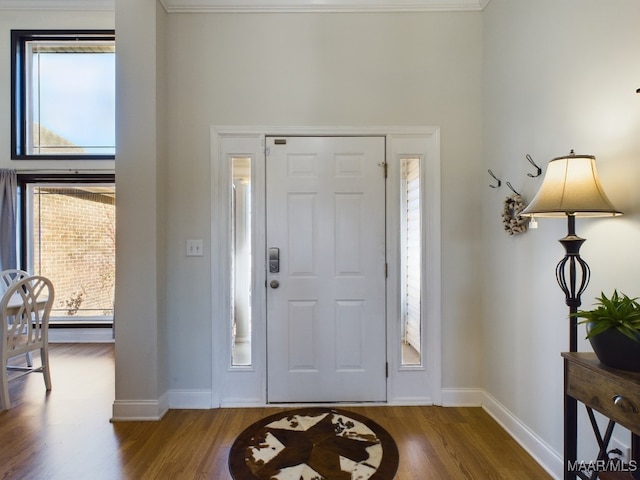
[8,201]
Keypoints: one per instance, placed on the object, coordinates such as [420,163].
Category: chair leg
[44,357]
[5,402]
[29,356]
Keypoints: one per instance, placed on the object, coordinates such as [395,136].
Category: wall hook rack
[538,169]
[511,188]
[495,178]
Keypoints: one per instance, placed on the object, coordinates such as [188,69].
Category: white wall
[558,75]
[323,70]
[141,203]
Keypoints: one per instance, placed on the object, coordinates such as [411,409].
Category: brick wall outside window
[74,245]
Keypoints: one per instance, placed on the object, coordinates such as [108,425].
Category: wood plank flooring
[66,434]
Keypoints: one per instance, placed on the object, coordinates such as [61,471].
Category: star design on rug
[327,447]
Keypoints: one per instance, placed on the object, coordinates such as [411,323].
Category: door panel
[326,312]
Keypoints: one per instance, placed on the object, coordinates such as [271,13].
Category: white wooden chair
[24,327]
[7,277]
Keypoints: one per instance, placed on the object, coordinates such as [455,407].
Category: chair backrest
[7,277]
[24,310]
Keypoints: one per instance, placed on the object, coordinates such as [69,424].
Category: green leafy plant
[619,312]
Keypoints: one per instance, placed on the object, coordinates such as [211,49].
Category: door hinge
[267,151]
[386,370]
[385,166]
[386,270]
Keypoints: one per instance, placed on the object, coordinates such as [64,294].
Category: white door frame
[246,386]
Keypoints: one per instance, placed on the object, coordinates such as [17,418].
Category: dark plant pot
[616,350]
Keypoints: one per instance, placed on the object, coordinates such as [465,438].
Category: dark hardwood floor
[66,434]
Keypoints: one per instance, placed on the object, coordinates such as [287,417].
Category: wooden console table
[615,394]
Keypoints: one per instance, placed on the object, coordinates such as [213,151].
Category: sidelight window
[241,273]
[411,261]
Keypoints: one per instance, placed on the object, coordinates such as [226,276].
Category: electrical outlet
[194,248]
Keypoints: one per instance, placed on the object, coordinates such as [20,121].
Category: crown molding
[319,6]
[260,6]
[108,5]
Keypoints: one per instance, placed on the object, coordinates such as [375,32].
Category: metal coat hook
[495,178]
[538,169]
[511,188]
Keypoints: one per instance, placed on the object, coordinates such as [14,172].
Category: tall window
[411,261]
[63,94]
[68,235]
[241,274]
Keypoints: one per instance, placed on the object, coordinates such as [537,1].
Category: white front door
[325,210]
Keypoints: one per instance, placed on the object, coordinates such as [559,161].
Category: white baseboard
[548,459]
[190,399]
[462,397]
[201,399]
[140,410]
[625,448]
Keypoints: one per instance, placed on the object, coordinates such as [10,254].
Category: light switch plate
[194,248]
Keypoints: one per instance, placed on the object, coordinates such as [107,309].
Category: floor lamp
[571,188]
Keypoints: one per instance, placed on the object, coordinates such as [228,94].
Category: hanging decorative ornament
[513,222]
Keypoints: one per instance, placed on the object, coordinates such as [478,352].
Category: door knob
[274,284]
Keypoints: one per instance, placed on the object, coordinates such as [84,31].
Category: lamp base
[572,272]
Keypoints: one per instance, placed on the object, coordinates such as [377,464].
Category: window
[63,94]
[68,235]
[411,261]
[241,273]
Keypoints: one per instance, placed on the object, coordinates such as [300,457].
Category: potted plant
[613,328]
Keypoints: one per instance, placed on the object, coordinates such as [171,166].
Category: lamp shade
[571,187]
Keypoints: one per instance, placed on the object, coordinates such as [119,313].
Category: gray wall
[558,75]
[323,70]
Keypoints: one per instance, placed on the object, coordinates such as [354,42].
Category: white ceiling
[195,6]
